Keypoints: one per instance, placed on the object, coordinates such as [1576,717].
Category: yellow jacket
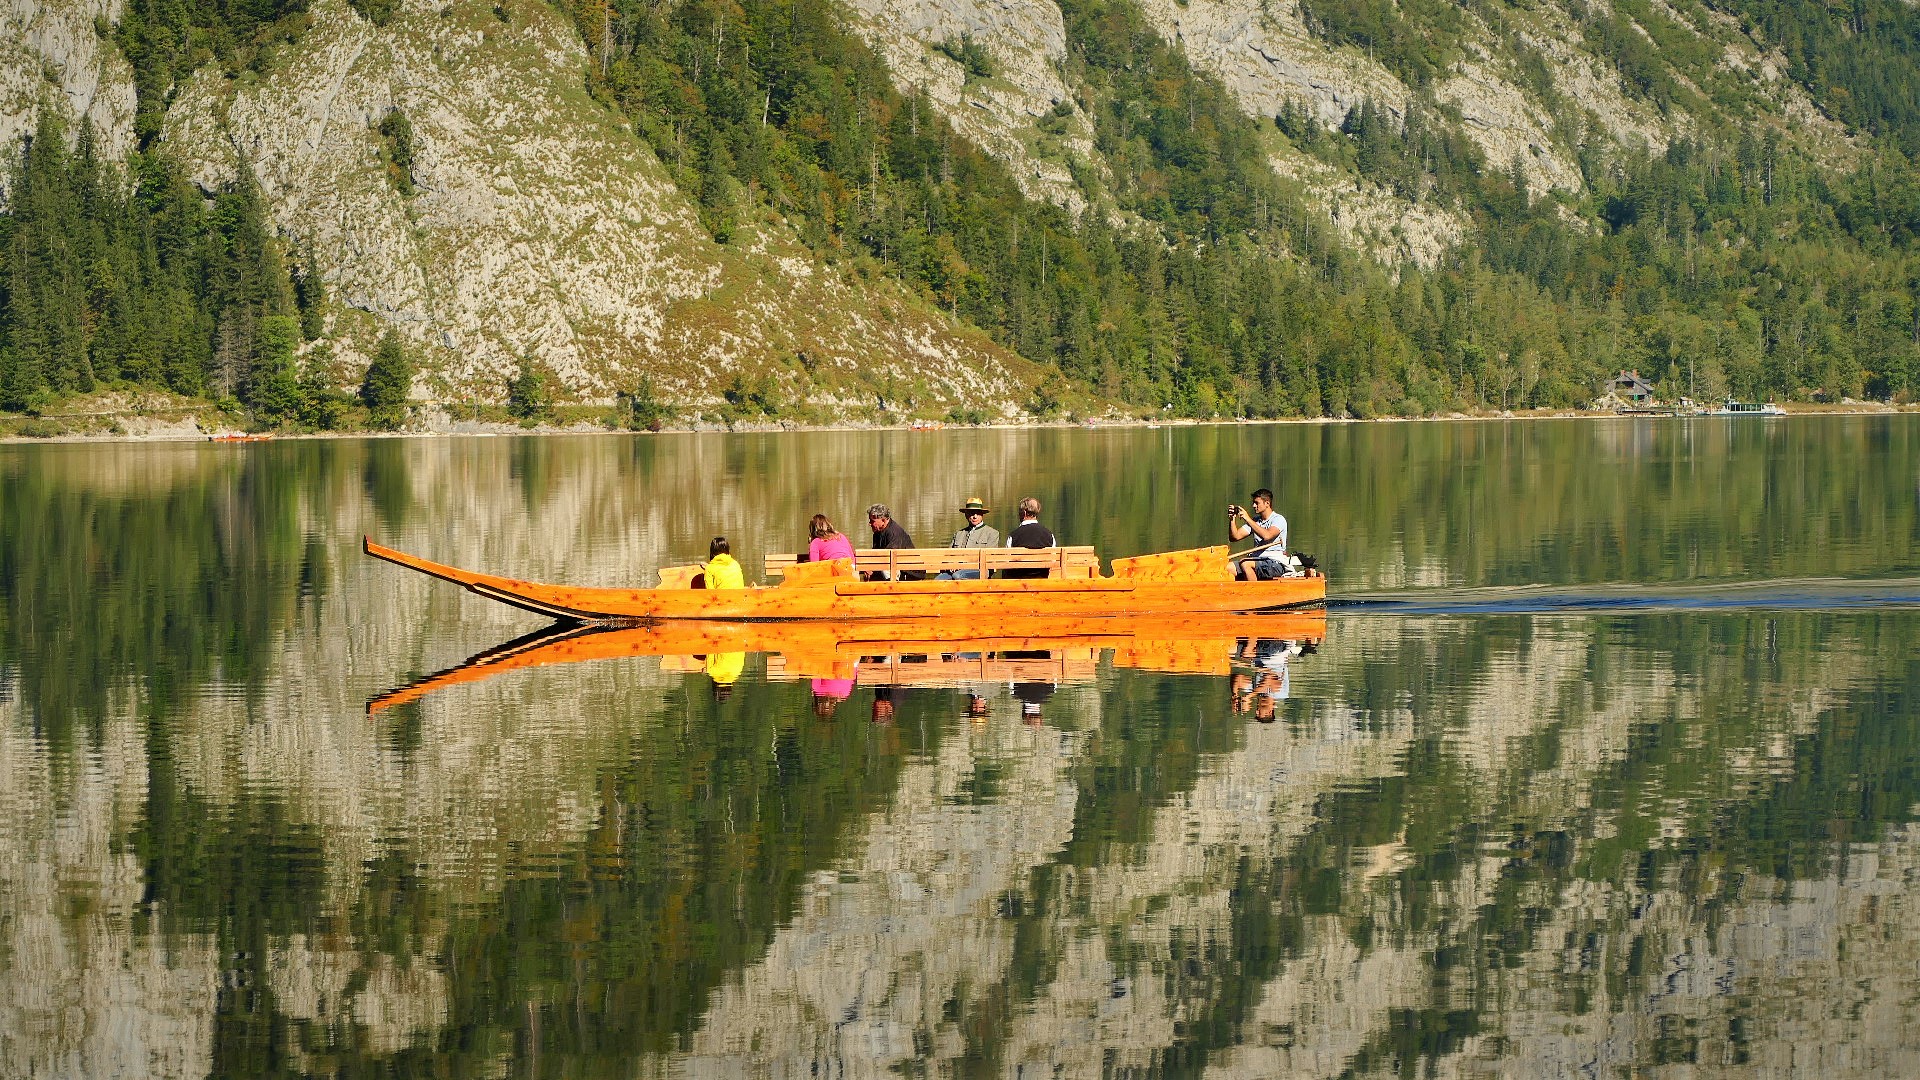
[724,573]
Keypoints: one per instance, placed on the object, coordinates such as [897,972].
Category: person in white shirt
[1269,528]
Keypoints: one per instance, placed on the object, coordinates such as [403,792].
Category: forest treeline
[1729,263]
[134,277]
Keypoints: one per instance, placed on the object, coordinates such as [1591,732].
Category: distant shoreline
[147,427]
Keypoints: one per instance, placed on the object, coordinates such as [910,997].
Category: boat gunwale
[526,595]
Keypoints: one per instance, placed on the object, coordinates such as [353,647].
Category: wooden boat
[888,652]
[1173,582]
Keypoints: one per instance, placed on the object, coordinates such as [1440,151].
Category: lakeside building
[1629,387]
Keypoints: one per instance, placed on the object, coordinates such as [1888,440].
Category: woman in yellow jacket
[722,572]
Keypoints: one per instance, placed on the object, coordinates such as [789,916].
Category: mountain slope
[1340,207]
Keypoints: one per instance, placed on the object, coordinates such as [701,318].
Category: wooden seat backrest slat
[1073,561]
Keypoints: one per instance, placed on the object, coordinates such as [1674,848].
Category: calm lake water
[1607,759]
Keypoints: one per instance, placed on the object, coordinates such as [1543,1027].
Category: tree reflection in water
[1522,844]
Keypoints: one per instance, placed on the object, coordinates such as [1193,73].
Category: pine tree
[388,384]
[273,383]
[46,287]
[310,295]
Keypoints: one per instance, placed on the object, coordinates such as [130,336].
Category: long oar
[1254,550]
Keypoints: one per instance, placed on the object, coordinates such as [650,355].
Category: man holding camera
[1269,561]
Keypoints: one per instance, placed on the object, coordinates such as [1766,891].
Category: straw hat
[974,506]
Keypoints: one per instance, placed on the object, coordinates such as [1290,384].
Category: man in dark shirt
[1030,534]
[887,533]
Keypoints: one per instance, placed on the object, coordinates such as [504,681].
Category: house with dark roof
[1629,387]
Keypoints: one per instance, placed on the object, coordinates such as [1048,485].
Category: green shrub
[529,393]
[396,150]
[645,411]
[377,12]
[750,398]
[969,54]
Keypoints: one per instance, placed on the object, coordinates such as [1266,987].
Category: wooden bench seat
[1059,562]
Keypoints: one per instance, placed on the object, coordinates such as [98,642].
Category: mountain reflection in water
[1543,843]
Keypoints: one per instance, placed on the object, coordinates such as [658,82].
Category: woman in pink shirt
[828,542]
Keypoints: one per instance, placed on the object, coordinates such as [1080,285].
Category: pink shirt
[836,546]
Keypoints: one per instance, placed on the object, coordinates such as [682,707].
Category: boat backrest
[939,669]
[1078,561]
[1194,564]
[679,577]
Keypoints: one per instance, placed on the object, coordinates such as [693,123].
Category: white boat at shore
[1747,408]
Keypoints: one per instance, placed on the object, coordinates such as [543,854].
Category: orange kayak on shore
[1170,583]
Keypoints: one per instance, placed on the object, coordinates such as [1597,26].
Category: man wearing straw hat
[977,534]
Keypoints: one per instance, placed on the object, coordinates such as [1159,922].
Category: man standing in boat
[977,534]
[888,535]
[1267,526]
[1030,534]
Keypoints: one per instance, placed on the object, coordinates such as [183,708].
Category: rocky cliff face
[51,53]
[538,223]
[1263,52]
[533,222]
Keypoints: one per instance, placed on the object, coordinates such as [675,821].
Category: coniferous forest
[1731,262]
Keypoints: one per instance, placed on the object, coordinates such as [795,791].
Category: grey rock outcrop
[1012,112]
[540,225]
[50,53]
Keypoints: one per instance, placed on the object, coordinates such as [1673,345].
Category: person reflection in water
[724,669]
[828,694]
[1271,681]
[1033,696]
[883,705]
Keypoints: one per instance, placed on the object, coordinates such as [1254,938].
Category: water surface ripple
[1659,818]
[1806,594]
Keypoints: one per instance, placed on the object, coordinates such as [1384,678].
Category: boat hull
[847,599]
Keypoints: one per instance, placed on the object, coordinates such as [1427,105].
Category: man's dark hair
[1263,493]
[719,547]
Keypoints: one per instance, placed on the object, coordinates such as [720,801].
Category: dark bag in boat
[1308,564]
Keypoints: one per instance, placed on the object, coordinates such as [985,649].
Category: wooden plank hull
[827,649]
[842,599]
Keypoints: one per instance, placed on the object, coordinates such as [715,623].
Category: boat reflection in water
[1030,655]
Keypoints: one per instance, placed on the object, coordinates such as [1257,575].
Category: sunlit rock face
[540,225]
[50,54]
[1022,111]
[537,218]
